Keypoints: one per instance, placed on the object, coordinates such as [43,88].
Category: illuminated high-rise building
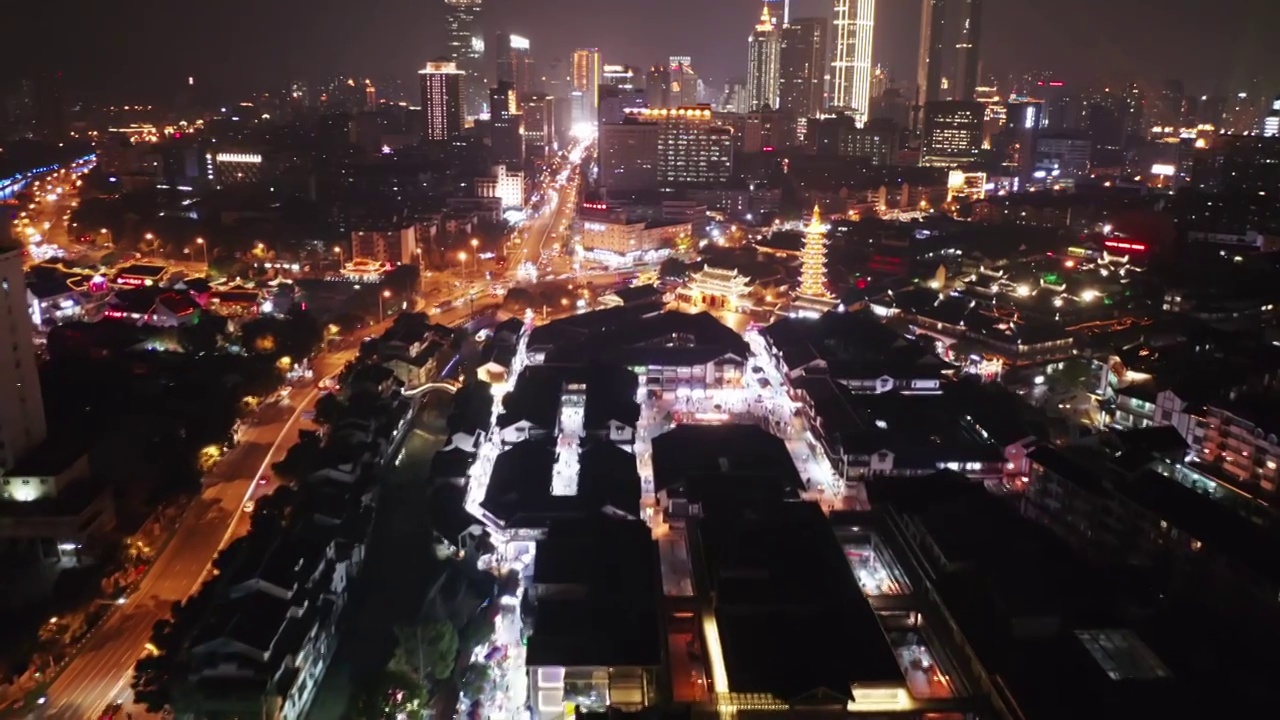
[953,132]
[442,99]
[465,42]
[694,148]
[802,66]
[22,421]
[539,123]
[762,63]
[1271,123]
[514,62]
[623,76]
[506,124]
[851,66]
[686,88]
[586,79]
[933,28]
[657,86]
[967,47]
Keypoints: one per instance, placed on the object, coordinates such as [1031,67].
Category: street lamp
[462,261]
[204,247]
[475,253]
[382,296]
[338,249]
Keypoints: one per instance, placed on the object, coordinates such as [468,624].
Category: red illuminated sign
[595,206]
[1125,245]
[130,280]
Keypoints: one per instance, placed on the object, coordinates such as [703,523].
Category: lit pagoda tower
[813,260]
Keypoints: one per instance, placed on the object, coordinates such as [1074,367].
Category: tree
[329,409]
[517,301]
[151,682]
[427,651]
[673,269]
[396,693]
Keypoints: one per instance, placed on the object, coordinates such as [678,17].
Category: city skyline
[1221,53]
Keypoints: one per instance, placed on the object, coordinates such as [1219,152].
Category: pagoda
[812,295]
[813,259]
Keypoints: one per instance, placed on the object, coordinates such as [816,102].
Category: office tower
[762,63]
[686,88]
[1212,110]
[952,133]
[1241,115]
[623,76]
[616,101]
[442,99]
[506,124]
[879,81]
[586,79]
[1271,123]
[22,424]
[851,66]
[734,98]
[514,62]
[694,149]
[802,64]
[1170,106]
[465,43]
[629,154]
[539,123]
[933,31]
[49,105]
[1134,106]
[968,46]
[555,79]
[657,87]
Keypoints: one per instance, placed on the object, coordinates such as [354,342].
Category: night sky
[144,49]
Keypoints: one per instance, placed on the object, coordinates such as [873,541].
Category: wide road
[100,673]
[561,205]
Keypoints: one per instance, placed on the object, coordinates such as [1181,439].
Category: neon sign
[1125,245]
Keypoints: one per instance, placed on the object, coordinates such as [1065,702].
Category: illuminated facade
[851,67]
[802,66]
[22,423]
[504,184]
[442,100]
[762,63]
[465,43]
[234,168]
[716,288]
[813,259]
[952,133]
[586,80]
[694,149]
[623,243]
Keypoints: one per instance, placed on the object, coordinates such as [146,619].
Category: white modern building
[22,423]
[504,184]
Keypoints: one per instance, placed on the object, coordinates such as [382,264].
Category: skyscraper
[657,87]
[514,62]
[506,124]
[802,62]
[442,99]
[586,79]
[762,63]
[933,29]
[623,76]
[22,423]
[952,133]
[463,24]
[967,48]
[851,66]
